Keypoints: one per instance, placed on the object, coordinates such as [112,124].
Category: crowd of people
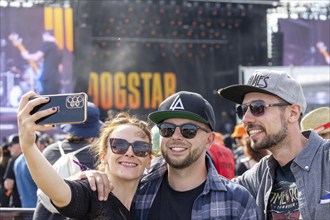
[274,165]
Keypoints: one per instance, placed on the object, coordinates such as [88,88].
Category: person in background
[294,181]
[317,120]
[228,141]
[155,140]
[237,135]
[9,176]
[26,186]
[111,113]
[123,151]
[250,156]
[4,158]
[43,141]
[222,157]
[51,55]
[184,184]
[78,136]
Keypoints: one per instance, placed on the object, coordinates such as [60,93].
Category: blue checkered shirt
[220,199]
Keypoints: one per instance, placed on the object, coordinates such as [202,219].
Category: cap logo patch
[258,81]
[177,104]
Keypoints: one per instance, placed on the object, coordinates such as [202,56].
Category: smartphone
[71,109]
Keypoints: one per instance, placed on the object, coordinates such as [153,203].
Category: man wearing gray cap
[294,181]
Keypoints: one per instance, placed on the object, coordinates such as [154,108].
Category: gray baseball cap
[270,82]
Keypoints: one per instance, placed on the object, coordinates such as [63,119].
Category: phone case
[72,109]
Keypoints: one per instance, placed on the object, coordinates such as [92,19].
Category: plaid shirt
[220,199]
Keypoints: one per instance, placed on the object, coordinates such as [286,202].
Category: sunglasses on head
[120,146]
[187,130]
[257,108]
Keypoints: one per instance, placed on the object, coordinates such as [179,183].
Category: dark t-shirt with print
[283,200]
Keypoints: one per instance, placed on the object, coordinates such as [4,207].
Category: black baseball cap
[187,105]
[13,139]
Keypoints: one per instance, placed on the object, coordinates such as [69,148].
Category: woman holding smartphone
[123,151]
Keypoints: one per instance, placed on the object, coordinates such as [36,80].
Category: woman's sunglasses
[188,131]
[120,146]
[257,108]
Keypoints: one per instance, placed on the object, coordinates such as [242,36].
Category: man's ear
[210,140]
[295,112]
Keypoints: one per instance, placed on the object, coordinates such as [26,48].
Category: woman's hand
[44,175]
[27,122]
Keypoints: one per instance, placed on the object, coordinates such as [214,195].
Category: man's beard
[193,156]
[270,141]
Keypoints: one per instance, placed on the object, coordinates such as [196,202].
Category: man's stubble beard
[193,156]
[271,141]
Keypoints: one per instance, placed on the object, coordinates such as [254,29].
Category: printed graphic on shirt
[283,201]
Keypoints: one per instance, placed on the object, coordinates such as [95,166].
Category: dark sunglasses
[120,146]
[257,108]
[187,130]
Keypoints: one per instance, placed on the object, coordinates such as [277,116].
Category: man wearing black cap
[294,181]
[26,186]
[187,185]
[9,176]
[4,158]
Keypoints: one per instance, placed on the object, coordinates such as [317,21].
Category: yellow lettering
[106,88]
[134,97]
[157,91]
[169,84]
[137,90]
[93,87]
[146,76]
[120,91]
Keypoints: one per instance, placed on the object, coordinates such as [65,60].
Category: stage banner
[130,56]
[45,37]
[306,42]
[124,75]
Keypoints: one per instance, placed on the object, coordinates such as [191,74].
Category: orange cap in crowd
[239,131]
[218,138]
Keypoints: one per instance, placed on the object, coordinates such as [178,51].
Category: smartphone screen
[71,109]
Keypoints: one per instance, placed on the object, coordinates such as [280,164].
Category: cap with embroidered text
[187,105]
[270,82]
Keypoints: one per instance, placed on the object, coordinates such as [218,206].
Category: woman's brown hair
[100,146]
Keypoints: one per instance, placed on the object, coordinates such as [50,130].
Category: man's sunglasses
[188,131]
[257,108]
[120,146]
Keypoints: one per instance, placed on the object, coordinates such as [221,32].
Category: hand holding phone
[71,109]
